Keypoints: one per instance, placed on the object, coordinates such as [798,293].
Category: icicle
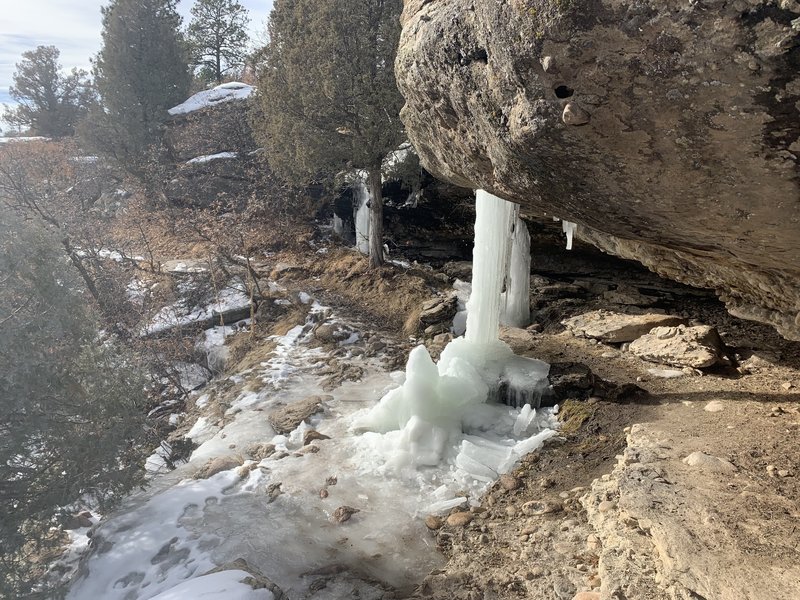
[493,221]
[569,228]
[338,226]
[361,201]
[516,299]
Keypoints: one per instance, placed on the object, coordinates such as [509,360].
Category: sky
[73,26]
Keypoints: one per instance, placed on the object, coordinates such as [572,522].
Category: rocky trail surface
[664,481]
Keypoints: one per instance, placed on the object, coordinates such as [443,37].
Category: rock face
[667,130]
[671,534]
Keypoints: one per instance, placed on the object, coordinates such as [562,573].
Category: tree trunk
[375,218]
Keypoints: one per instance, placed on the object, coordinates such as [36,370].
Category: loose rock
[680,346]
[460,519]
[616,328]
[286,419]
[710,463]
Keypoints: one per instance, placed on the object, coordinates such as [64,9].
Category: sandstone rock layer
[667,130]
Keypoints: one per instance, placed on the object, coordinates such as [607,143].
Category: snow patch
[210,157]
[226,92]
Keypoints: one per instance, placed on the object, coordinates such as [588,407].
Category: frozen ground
[279,514]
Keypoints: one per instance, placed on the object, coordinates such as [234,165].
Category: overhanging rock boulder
[668,130]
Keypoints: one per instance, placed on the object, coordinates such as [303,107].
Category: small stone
[323,493]
[772,470]
[606,505]
[460,519]
[707,462]
[343,513]
[594,581]
[714,406]
[594,400]
[433,522]
[79,521]
[787,385]
[484,539]
[537,508]
[313,434]
[574,114]
[511,511]
[587,596]
[218,465]
[549,64]
[784,473]
[509,482]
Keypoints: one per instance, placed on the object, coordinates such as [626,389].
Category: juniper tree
[141,71]
[72,406]
[49,102]
[217,37]
[328,99]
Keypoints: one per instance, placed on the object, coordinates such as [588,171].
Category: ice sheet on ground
[226,92]
[179,530]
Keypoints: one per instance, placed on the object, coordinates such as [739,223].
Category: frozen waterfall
[361,203]
[438,402]
[569,228]
[516,309]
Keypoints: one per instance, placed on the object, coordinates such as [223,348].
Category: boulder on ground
[218,465]
[287,418]
[519,340]
[697,347]
[439,310]
[617,328]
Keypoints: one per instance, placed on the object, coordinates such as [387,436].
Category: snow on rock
[222,93]
[8,140]
[225,585]
[210,157]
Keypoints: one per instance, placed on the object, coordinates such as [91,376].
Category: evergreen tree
[72,407]
[217,37]
[141,72]
[328,99]
[50,103]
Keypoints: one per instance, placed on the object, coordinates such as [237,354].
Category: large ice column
[516,303]
[439,401]
[493,222]
[361,201]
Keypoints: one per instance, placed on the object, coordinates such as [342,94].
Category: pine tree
[328,98]
[141,72]
[50,102]
[217,37]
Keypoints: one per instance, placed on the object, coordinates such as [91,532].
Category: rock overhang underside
[669,130]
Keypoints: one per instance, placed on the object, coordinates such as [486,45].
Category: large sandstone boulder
[668,130]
